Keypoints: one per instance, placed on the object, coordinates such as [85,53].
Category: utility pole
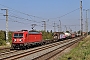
[54,27]
[86,21]
[44,25]
[70,30]
[60,26]
[81,19]
[66,27]
[6,25]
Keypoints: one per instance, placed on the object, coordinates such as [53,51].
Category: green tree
[47,35]
[3,37]
[51,31]
[10,36]
[2,42]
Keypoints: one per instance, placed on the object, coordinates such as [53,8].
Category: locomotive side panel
[35,37]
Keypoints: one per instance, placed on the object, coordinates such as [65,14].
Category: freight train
[25,39]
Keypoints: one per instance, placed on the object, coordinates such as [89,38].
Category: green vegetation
[81,52]
[47,35]
[3,39]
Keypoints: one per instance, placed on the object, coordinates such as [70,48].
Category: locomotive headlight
[14,40]
[20,40]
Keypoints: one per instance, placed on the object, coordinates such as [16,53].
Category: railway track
[8,52]
[4,49]
[41,52]
[54,52]
[51,54]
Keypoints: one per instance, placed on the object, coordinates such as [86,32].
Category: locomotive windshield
[18,35]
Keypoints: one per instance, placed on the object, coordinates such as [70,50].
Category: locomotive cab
[19,38]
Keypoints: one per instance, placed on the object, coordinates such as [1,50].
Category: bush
[2,42]
[3,37]
[47,35]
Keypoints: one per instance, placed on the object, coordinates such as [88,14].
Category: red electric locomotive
[24,38]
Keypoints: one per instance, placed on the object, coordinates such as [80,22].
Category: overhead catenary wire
[15,16]
[28,20]
[28,24]
[65,14]
[1,13]
[10,19]
[2,19]
[23,18]
[11,9]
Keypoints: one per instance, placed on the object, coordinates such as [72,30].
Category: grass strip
[80,52]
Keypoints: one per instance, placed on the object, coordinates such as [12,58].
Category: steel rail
[36,52]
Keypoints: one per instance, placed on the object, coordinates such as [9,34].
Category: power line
[23,18]
[1,13]
[10,19]
[66,14]
[2,19]
[15,16]
[23,13]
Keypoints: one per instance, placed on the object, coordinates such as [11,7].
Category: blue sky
[43,10]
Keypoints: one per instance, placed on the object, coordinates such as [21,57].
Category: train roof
[29,32]
[59,32]
[34,32]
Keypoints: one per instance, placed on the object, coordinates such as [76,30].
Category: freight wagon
[59,35]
